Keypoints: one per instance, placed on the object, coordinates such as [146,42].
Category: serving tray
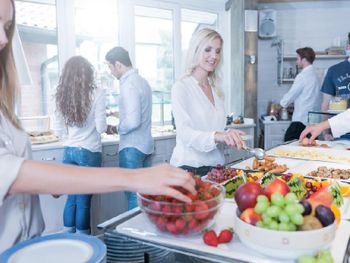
[138,227]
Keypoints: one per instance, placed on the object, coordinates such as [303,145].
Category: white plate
[311,153]
[57,248]
[291,163]
[141,228]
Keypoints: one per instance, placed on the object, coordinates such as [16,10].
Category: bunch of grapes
[283,213]
[311,188]
[221,174]
[324,256]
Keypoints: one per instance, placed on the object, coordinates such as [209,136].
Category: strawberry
[210,238]
[201,209]
[180,224]
[171,227]
[225,235]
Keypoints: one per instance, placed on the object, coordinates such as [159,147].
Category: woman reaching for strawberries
[22,179]
[198,108]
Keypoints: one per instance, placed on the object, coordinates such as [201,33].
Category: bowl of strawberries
[178,218]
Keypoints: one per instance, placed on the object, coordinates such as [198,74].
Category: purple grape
[325,215]
[307,207]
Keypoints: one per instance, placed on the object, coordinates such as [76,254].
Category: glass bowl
[177,218]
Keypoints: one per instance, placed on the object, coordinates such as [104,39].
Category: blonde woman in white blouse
[22,179]
[198,108]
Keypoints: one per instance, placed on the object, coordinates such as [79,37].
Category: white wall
[315,24]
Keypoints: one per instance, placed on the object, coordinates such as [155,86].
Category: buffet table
[134,227]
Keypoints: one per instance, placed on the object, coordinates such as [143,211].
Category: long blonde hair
[9,90]
[75,91]
[197,45]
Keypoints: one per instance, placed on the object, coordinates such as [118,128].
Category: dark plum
[325,215]
[307,207]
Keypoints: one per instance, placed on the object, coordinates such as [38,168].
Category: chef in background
[337,83]
[198,108]
[304,93]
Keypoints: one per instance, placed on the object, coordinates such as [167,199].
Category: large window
[36,24]
[154,54]
[94,36]
[155,33]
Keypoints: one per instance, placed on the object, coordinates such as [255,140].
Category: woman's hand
[232,138]
[314,130]
[159,180]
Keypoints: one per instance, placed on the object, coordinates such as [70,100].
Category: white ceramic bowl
[284,244]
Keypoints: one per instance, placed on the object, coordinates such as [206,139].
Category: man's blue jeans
[76,215]
[133,158]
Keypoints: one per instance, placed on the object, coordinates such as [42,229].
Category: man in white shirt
[135,115]
[304,93]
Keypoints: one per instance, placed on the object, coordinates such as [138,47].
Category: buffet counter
[134,227]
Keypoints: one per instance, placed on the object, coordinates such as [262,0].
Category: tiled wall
[315,24]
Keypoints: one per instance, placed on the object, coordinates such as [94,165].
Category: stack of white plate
[123,250]
[57,248]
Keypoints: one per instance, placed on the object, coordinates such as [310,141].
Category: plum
[307,207]
[325,215]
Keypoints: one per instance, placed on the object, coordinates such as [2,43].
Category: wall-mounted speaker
[267,23]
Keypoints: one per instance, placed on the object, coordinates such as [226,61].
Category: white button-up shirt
[20,214]
[340,124]
[87,136]
[196,120]
[305,93]
[135,112]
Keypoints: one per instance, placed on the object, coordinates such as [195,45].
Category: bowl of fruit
[273,221]
[178,218]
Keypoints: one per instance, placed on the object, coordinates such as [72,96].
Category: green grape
[297,219]
[292,227]
[300,208]
[290,198]
[325,255]
[261,207]
[277,199]
[273,225]
[260,224]
[262,199]
[323,260]
[273,211]
[283,217]
[306,259]
[266,218]
[283,226]
[291,209]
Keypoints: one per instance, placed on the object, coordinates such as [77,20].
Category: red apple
[250,216]
[246,195]
[276,186]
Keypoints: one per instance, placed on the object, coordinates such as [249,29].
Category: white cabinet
[163,149]
[274,132]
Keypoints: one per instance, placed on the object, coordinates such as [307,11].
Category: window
[36,23]
[154,54]
[96,32]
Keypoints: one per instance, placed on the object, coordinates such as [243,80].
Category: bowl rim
[221,196]
[300,232]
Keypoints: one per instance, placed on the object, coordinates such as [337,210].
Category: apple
[250,216]
[276,186]
[246,195]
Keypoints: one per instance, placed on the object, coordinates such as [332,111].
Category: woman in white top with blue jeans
[81,110]
[198,108]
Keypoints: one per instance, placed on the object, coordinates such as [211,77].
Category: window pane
[154,55]
[191,21]
[36,24]
[96,29]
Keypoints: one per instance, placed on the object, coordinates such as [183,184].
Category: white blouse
[196,120]
[340,124]
[20,214]
[89,135]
